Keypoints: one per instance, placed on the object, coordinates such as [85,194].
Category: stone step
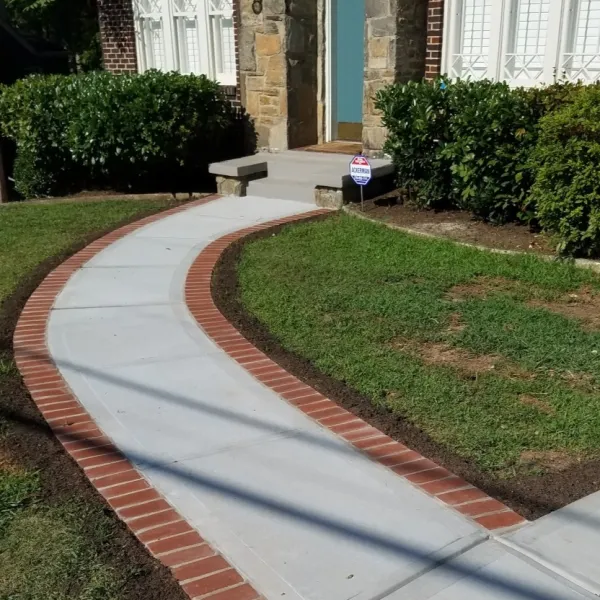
[295,175]
[282,189]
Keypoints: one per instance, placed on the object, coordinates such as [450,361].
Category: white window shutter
[150,27]
[581,59]
[472,23]
[523,62]
[220,15]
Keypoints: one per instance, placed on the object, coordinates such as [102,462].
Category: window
[472,58]
[525,42]
[190,36]
[582,60]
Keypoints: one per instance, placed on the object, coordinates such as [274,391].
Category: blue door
[349,56]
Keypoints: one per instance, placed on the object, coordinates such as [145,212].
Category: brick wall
[435,27]
[117,35]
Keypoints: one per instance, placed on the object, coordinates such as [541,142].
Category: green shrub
[547,99]
[468,144]
[416,116]
[492,131]
[34,112]
[144,132]
[567,184]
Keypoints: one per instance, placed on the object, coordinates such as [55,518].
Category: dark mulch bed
[456,225]
[531,496]
[29,442]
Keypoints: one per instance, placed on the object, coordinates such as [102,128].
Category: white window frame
[208,33]
[562,19]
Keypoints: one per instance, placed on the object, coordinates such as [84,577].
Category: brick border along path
[200,569]
[405,462]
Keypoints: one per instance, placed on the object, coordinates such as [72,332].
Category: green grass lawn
[485,352]
[51,550]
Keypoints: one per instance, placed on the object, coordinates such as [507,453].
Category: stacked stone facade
[282,64]
[395,34]
[278,71]
[263,71]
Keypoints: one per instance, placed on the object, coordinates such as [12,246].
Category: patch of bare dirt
[456,324]
[456,225]
[536,403]
[482,287]
[583,305]
[443,354]
[549,460]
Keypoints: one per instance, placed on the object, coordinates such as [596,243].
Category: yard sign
[360,170]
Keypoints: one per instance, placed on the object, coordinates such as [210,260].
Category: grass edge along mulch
[531,495]
[56,488]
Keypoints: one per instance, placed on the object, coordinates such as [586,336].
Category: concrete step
[283,189]
[329,170]
[294,175]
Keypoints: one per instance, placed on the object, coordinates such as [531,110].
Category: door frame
[330,69]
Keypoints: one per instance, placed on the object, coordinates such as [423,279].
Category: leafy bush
[544,100]
[417,119]
[34,113]
[468,144]
[150,131]
[462,144]
[567,184]
[492,133]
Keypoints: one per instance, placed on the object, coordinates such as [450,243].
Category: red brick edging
[200,570]
[405,462]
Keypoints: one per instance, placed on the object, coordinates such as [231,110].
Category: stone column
[278,71]
[263,71]
[396,40]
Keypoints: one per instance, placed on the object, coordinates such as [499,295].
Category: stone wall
[395,51]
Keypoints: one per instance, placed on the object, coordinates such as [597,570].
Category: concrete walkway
[293,507]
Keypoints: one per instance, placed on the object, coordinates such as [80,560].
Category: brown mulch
[28,442]
[455,225]
[532,495]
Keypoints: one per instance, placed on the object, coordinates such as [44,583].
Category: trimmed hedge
[503,154]
[417,117]
[492,133]
[156,131]
[462,145]
[566,190]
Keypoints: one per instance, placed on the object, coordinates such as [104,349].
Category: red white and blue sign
[360,170]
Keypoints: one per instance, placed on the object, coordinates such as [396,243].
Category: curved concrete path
[297,510]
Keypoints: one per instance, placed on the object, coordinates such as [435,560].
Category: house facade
[307,70]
